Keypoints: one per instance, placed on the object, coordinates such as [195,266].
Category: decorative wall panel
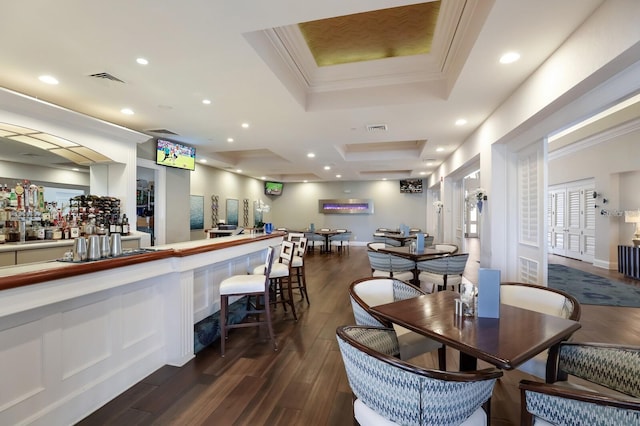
[346,206]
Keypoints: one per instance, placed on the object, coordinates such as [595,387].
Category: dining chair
[250,286]
[547,301]
[402,268]
[281,274]
[295,236]
[340,240]
[414,230]
[297,264]
[389,391]
[367,292]
[608,392]
[314,240]
[381,266]
[441,272]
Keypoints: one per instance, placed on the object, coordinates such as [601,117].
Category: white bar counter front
[74,336]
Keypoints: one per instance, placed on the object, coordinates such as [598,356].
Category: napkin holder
[489,293]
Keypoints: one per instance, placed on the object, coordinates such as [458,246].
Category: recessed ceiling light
[423,173]
[206,101]
[327,167]
[509,57]
[461,122]
[203,160]
[48,79]
[127,111]
[229,140]
[311,155]
[439,149]
[239,170]
[245,125]
[384,178]
[142,61]
[263,177]
[305,181]
[75,169]
[338,176]
[429,164]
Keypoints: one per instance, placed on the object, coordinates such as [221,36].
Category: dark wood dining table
[416,256]
[506,342]
[397,236]
[327,234]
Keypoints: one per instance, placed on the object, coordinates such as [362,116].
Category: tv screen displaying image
[173,154]
[410,186]
[273,188]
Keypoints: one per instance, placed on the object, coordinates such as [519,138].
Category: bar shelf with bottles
[26,216]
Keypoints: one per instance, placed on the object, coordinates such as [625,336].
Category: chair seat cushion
[238,284]
[278,270]
[366,416]
[403,276]
[297,262]
[377,273]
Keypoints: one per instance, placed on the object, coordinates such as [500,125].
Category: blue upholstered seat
[389,391]
[615,400]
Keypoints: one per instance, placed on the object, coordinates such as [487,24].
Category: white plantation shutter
[528,199]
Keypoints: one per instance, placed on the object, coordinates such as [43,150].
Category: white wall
[297,207]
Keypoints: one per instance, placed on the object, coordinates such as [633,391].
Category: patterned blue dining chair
[372,291]
[388,391]
[614,400]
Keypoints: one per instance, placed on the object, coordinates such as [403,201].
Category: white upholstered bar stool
[281,273]
[248,285]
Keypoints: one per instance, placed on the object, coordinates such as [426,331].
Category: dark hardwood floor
[304,383]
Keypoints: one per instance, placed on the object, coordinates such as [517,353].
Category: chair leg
[304,285]
[267,313]
[290,293]
[224,300]
[442,358]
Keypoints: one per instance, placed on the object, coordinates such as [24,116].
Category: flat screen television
[173,154]
[273,188]
[410,186]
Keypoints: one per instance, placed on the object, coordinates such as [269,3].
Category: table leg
[468,362]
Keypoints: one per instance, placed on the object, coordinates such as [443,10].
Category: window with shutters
[528,199]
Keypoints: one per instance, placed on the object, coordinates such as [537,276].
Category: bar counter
[75,335]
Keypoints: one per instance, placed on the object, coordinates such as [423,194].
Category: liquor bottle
[112,225]
[125,225]
[118,226]
[13,198]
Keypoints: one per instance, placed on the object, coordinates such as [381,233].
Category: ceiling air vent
[163,131]
[377,128]
[106,76]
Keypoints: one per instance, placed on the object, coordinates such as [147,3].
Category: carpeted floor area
[592,289]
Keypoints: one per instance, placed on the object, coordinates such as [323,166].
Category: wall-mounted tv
[273,188]
[410,186]
[173,154]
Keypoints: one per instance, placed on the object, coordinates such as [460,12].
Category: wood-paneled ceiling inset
[386,33]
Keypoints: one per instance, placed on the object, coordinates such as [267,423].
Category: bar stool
[298,266]
[248,285]
[281,271]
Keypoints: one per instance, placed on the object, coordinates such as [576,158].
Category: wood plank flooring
[304,383]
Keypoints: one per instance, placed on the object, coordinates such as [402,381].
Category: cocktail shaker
[116,245]
[105,246]
[94,247]
[79,249]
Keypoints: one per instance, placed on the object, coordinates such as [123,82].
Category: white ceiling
[224,51]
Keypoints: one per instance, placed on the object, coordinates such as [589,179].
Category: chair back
[287,252]
[294,236]
[375,246]
[404,393]
[428,240]
[373,291]
[401,264]
[615,400]
[301,247]
[268,263]
[540,299]
[379,261]
[437,265]
[449,248]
